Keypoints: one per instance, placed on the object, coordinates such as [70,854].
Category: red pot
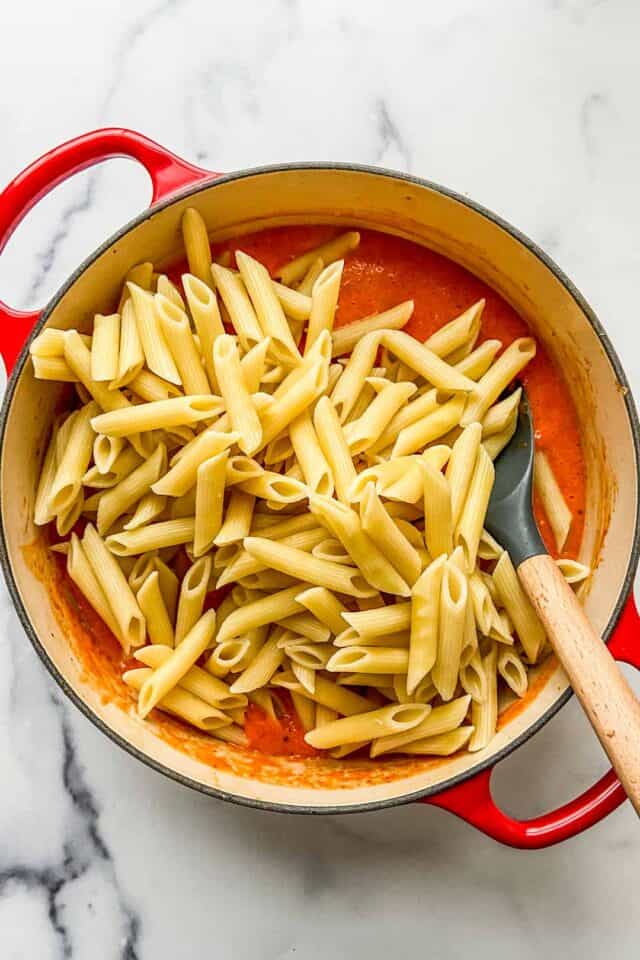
[340,194]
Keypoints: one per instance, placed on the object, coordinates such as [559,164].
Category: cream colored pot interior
[414,211]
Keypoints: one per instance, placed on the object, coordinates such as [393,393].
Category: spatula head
[510,516]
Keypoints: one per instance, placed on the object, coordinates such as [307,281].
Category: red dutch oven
[351,196]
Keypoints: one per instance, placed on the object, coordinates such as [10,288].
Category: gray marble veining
[529,108]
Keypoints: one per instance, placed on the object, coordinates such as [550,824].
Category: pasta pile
[334,481]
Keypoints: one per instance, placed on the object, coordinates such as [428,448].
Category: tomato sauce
[381,273]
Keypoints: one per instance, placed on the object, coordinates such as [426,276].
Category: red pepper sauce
[282,737]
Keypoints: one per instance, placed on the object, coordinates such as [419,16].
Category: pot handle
[167,172]
[472,800]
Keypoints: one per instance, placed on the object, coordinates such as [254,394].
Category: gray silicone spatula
[607,699]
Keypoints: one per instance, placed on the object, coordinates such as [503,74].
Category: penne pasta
[151,602]
[484,716]
[107,572]
[154,345]
[268,309]
[184,473]
[500,374]
[238,305]
[193,591]
[324,300]
[529,629]
[453,604]
[440,720]
[242,413]
[334,447]
[555,506]
[396,718]
[105,346]
[196,244]
[345,338]
[387,537]
[174,324]
[425,623]
[209,502]
[437,511]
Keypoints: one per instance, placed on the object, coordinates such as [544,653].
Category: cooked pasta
[225,440]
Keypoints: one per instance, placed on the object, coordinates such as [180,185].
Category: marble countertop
[531,109]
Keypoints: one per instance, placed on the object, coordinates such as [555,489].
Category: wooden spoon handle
[607,698]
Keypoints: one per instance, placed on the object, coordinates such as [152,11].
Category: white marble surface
[530,108]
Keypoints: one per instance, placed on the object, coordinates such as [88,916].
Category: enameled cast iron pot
[429,215]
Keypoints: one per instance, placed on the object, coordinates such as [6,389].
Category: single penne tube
[437,511]
[209,502]
[310,569]
[349,638]
[426,363]
[415,411]
[260,671]
[193,591]
[345,338]
[253,365]
[73,461]
[362,434]
[196,245]
[334,447]
[149,387]
[484,716]
[453,604]
[156,536]
[279,449]
[500,415]
[495,444]
[257,613]
[512,670]
[470,633]
[329,694]
[228,656]
[304,707]
[471,522]
[429,428]
[295,304]
[387,537]
[425,623]
[67,518]
[50,343]
[275,488]
[268,309]
[460,468]
[473,678]
[396,718]
[489,548]
[42,513]
[500,374]
[154,345]
[105,346]
[267,580]
[555,506]
[203,306]
[306,446]
[458,332]
[354,375]
[443,745]
[306,627]
[106,451]
[240,469]
[142,275]
[160,414]
[120,498]
[183,474]
[483,605]
[313,656]
[81,572]
[238,305]
[324,300]
[244,565]
[573,571]
[177,331]
[379,621]
[180,661]
[168,289]
[345,524]
[53,368]
[439,720]
[237,518]
[242,413]
[313,272]
[122,466]
[324,606]
[151,602]
[387,660]
[148,509]
[114,585]
[328,252]
[180,703]
[515,601]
